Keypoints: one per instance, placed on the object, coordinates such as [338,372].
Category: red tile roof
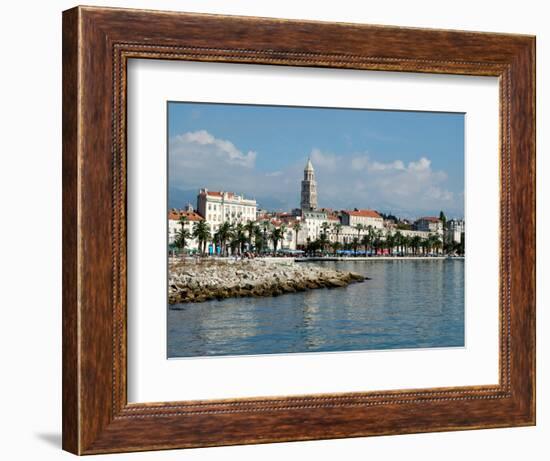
[429,218]
[190,215]
[363,213]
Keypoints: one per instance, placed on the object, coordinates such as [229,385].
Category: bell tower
[309,188]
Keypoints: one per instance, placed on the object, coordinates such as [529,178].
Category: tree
[433,242]
[224,233]
[370,234]
[239,238]
[183,234]
[250,228]
[377,240]
[183,221]
[443,219]
[297,227]
[201,231]
[181,238]
[259,241]
[312,247]
[399,241]
[277,234]
[425,245]
[359,228]
[365,241]
[415,243]
[390,242]
[436,243]
[355,244]
[338,229]
[266,227]
[323,240]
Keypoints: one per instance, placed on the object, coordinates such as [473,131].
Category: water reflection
[406,304]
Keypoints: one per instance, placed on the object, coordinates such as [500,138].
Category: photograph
[313,229]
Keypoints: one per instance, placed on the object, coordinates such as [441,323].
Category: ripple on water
[405,304]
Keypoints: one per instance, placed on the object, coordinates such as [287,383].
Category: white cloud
[189,145]
[422,165]
[379,166]
[199,159]
[324,160]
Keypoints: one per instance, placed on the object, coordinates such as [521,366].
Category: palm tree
[181,238]
[406,241]
[377,240]
[338,229]
[323,241]
[435,242]
[239,237]
[355,244]
[250,228]
[370,233]
[183,221]
[182,235]
[398,241]
[390,242]
[297,227]
[225,233]
[259,241]
[415,243]
[266,227]
[365,241]
[277,234]
[201,231]
[359,228]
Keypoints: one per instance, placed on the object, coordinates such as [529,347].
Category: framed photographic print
[284,230]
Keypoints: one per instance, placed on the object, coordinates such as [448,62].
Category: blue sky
[411,163]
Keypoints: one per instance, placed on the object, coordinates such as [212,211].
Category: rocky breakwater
[205,279]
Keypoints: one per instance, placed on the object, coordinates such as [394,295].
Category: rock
[212,278]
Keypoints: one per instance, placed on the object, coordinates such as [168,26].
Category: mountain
[178,198]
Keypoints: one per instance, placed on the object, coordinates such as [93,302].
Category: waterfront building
[413,233]
[454,230]
[313,221]
[174,225]
[309,188]
[429,224]
[364,217]
[218,207]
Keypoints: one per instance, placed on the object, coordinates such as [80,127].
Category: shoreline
[378,258]
[195,281]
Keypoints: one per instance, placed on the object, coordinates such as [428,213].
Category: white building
[312,225]
[218,207]
[430,224]
[174,226]
[364,217]
[413,233]
[454,231]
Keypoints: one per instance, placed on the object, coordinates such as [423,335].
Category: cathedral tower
[309,188]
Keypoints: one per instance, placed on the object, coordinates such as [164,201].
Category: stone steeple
[309,188]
